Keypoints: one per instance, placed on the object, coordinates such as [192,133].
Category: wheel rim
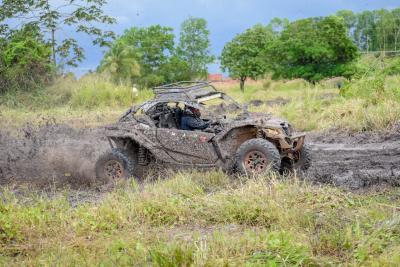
[114,170]
[255,162]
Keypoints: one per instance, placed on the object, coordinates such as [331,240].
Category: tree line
[376,30]
[148,56]
[33,49]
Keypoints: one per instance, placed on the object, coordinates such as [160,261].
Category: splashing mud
[50,155]
[56,155]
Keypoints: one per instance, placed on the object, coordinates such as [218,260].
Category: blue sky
[225,18]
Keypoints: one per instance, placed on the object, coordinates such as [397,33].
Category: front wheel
[301,161]
[256,156]
[114,165]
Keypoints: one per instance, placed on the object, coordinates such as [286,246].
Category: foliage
[312,49]
[24,60]
[243,56]
[90,92]
[121,62]
[152,45]
[193,47]
[153,49]
[376,30]
[196,219]
[81,16]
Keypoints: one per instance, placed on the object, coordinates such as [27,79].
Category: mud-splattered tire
[301,163]
[304,162]
[256,156]
[114,165]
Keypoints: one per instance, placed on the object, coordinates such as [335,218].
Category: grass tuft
[201,219]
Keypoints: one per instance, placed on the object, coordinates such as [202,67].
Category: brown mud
[57,155]
[51,155]
[356,161]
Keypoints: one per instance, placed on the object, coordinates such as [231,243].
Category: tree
[121,62]
[153,46]
[175,70]
[194,45]
[365,31]
[80,16]
[312,49]
[350,20]
[24,60]
[243,56]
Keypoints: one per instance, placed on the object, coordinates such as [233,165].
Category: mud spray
[56,155]
[50,155]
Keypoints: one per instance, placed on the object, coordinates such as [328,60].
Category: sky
[225,18]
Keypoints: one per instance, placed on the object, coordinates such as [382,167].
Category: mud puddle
[58,155]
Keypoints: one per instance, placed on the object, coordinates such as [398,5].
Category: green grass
[367,104]
[204,219]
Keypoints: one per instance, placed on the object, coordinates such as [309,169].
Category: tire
[114,165]
[304,163]
[257,156]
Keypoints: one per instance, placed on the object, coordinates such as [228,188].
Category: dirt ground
[57,155]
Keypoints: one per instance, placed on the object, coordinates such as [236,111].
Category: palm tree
[121,62]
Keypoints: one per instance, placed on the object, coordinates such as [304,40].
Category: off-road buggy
[149,135]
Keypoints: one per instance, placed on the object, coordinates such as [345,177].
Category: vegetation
[313,49]
[203,219]
[24,60]
[243,56]
[148,56]
[194,46]
[80,16]
[376,30]
[370,102]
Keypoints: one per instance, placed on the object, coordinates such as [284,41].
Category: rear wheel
[114,165]
[256,156]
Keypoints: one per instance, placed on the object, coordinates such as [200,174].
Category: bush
[24,61]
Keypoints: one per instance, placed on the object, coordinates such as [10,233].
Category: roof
[187,91]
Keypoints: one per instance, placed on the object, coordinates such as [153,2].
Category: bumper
[297,141]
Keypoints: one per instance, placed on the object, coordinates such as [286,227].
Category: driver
[191,120]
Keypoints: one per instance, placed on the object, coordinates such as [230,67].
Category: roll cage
[192,93]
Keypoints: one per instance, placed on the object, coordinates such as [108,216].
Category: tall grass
[204,219]
[365,104]
[89,92]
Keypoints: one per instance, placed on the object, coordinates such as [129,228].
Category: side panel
[188,147]
[143,135]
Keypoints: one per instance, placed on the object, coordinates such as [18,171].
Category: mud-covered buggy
[149,136]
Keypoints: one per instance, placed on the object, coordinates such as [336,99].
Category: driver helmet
[194,108]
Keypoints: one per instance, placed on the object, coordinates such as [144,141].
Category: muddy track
[58,155]
[356,165]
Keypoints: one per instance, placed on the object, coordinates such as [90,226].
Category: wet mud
[52,155]
[356,161]
[58,155]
